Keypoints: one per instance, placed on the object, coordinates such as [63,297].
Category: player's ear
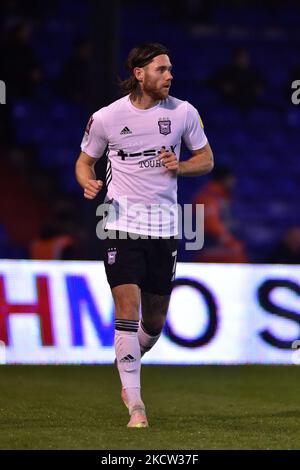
[139,73]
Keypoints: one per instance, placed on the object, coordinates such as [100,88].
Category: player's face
[157,77]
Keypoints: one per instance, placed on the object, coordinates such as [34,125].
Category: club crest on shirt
[111,256]
[164,125]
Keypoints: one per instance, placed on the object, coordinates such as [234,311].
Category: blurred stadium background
[235,61]
[61,60]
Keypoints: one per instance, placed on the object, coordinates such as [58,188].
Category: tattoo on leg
[154,311]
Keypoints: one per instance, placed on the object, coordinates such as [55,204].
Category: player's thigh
[125,268]
[127,299]
[154,310]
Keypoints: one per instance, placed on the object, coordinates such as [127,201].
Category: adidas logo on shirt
[125,131]
[128,358]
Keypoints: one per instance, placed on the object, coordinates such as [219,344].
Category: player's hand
[169,160]
[92,188]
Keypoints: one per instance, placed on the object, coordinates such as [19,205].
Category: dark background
[60,61]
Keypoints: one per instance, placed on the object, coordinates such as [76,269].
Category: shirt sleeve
[94,140]
[193,135]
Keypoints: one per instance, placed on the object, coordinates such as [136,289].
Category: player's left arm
[200,163]
[201,160]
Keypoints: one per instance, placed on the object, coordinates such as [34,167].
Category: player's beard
[154,92]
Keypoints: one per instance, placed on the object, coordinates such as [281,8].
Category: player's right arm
[86,176]
[93,146]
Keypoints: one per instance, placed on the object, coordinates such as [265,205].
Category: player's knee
[127,303]
[127,308]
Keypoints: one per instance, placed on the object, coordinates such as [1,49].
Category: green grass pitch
[191,407]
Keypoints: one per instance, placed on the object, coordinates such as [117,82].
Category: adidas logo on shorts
[128,358]
[125,131]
